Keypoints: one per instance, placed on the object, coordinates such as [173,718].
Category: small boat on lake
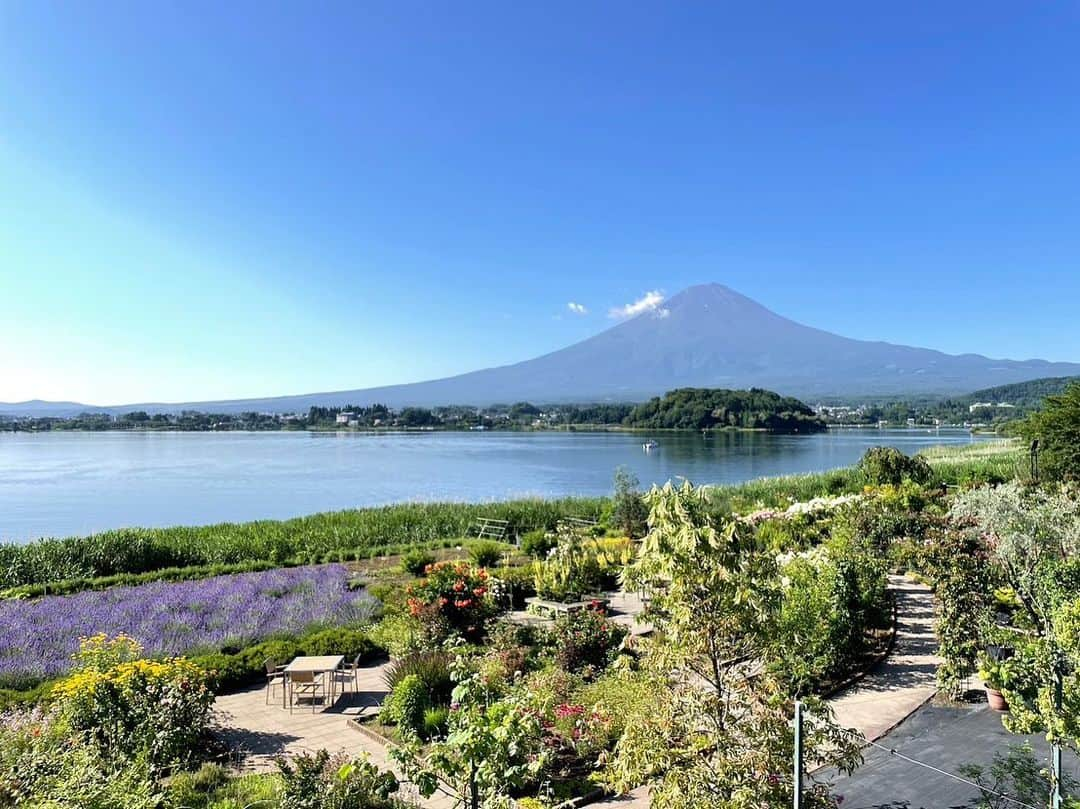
[648,445]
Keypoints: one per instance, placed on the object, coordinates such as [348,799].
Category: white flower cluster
[815,507]
[816,556]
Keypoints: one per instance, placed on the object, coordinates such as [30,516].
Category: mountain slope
[1027,394]
[706,336]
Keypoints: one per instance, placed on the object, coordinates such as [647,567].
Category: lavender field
[38,637]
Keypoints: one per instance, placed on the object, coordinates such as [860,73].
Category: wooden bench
[565,607]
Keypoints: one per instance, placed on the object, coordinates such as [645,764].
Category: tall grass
[349,534]
[987,461]
[970,464]
[137,550]
[781,491]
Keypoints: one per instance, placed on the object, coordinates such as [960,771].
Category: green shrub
[28,693]
[414,562]
[44,764]
[155,711]
[881,465]
[211,787]
[585,642]
[518,584]
[351,643]
[537,543]
[435,722]
[486,554]
[454,598]
[577,566]
[430,668]
[226,672]
[619,695]
[320,781]
[629,514]
[405,705]
[399,633]
[192,789]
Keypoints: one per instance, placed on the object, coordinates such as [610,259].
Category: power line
[892,751]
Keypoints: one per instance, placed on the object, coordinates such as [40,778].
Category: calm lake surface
[61,484]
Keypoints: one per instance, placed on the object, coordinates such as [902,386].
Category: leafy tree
[1034,536]
[1017,776]
[958,564]
[520,410]
[1057,429]
[708,408]
[417,417]
[630,514]
[713,737]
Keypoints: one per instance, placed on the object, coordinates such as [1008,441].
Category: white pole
[798,721]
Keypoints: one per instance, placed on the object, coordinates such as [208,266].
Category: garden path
[888,694]
[905,680]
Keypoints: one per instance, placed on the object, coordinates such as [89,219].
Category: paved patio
[258,732]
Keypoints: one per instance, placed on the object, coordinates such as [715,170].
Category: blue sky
[208,200]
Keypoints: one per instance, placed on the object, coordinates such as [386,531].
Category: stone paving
[258,732]
[905,680]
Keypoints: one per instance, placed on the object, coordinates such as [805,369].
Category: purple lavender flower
[38,637]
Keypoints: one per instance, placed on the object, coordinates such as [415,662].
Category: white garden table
[317,665]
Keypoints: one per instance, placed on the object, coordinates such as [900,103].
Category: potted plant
[994,674]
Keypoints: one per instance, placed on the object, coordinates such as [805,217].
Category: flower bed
[38,637]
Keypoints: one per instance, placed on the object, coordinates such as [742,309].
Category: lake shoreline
[561,428]
[75,484]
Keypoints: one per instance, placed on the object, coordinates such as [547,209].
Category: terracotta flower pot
[996,700]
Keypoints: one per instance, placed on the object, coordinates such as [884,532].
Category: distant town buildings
[840,412]
[989,405]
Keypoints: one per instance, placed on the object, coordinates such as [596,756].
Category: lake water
[60,484]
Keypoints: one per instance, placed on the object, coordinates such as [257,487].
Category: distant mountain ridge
[1029,393]
[707,336]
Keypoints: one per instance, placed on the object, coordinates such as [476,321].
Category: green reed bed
[982,462]
[985,461]
[330,535]
[196,551]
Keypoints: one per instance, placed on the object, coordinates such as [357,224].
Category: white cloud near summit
[577,308]
[646,303]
